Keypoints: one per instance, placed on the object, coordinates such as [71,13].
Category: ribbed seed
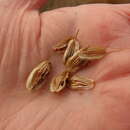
[73,46]
[38,75]
[77,82]
[59,82]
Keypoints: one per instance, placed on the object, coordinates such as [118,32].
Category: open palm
[27,38]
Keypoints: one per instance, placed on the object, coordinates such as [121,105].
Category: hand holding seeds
[74,58]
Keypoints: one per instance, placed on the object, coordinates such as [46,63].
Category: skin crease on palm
[27,38]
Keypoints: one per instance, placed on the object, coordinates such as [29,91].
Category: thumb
[19,33]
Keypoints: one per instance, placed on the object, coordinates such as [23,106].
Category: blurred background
[52,4]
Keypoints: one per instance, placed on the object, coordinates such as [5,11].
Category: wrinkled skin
[27,37]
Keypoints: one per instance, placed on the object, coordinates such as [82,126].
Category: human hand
[27,38]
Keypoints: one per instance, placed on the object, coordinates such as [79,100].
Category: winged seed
[92,53]
[77,82]
[38,75]
[59,82]
[75,61]
[73,46]
[61,47]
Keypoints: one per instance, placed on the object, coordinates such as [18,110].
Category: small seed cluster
[74,58]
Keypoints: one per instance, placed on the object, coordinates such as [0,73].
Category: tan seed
[77,82]
[92,53]
[38,75]
[75,62]
[59,82]
[61,47]
[72,47]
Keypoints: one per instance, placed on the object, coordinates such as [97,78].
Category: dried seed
[61,47]
[59,82]
[38,75]
[92,53]
[75,62]
[72,47]
[83,56]
[77,82]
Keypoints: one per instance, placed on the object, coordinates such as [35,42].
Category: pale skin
[27,37]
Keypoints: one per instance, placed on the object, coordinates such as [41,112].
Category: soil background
[52,4]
